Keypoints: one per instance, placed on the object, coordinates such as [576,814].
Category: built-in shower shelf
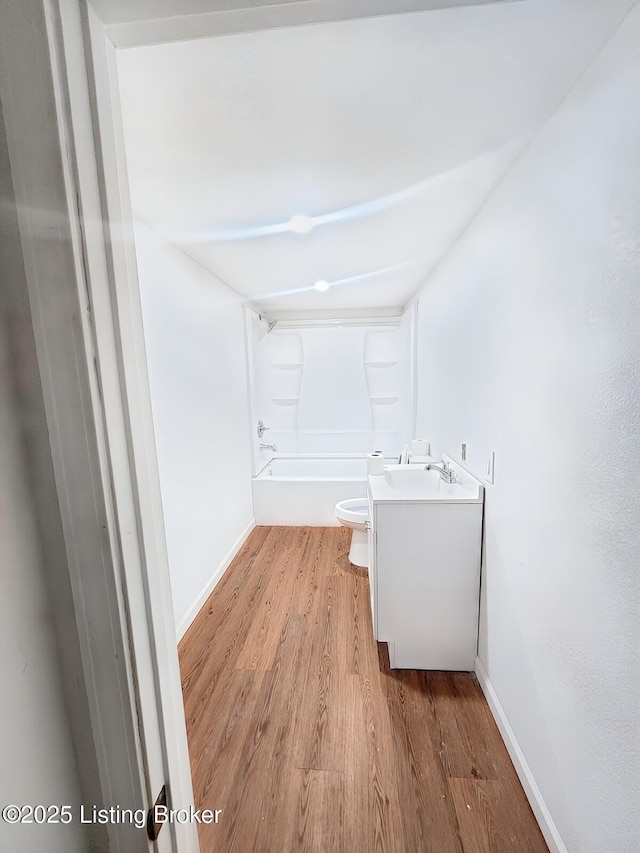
[285,401]
[380,363]
[383,401]
[288,365]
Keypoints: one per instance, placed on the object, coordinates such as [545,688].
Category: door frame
[129,422]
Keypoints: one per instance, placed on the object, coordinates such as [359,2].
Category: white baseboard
[538,806]
[213,581]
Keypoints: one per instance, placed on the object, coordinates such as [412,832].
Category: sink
[414,483]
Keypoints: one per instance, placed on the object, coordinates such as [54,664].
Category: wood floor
[303,736]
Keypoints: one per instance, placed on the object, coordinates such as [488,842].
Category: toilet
[354,513]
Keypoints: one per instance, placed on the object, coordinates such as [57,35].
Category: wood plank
[279,701]
[264,763]
[316,562]
[352,630]
[372,802]
[312,815]
[488,821]
[269,616]
[216,738]
[320,725]
[460,743]
[431,823]
[227,623]
[218,607]
[479,731]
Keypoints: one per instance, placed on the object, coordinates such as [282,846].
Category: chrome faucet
[446,473]
[268,447]
[262,429]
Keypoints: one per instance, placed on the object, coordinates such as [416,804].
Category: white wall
[529,345]
[195,348]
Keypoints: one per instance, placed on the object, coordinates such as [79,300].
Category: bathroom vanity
[425,539]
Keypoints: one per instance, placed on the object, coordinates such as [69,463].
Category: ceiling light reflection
[304,223]
[322,286]
[300,224]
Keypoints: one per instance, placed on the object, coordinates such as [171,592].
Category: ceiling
[384,136]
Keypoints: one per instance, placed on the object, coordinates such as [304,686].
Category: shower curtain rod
[321,322]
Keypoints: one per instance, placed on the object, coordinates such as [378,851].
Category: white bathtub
[299,490]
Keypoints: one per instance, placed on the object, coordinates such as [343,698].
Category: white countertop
[412,483]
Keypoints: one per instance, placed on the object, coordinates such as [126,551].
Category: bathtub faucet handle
[262,429]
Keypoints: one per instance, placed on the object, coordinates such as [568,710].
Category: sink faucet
[268,447]
[446,473]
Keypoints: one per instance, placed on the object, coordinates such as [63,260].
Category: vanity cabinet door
[427,583]
[371,541]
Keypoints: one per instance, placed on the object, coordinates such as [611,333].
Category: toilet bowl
[354,513]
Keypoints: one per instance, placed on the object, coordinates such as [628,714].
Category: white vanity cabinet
[424,567]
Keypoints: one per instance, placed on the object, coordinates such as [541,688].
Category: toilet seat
[355,511]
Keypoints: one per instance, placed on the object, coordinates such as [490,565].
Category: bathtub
[301,490]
